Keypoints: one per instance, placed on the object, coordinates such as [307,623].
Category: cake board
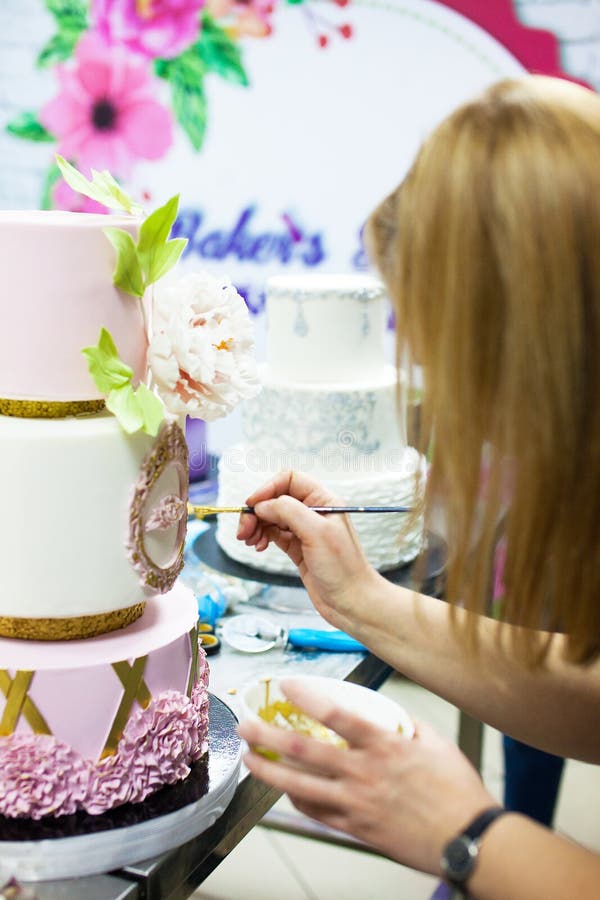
[208,552]
[81,844]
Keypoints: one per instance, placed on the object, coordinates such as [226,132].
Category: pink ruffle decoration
[42,776]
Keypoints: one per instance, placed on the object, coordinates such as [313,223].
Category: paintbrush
[201,512]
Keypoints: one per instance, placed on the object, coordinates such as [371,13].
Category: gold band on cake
[69,629]
[48,409]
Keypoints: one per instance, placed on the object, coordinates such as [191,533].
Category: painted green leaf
[71,21]
[151,408]
[26,126]
[186,77]
[102,187]
[127,273]
[108,371]
[189,106]
[220,53]
[67,11]
[52,176]
[59,48]
[124,404]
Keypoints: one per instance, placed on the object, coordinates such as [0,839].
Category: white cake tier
[325,328]
[331,429]
[57,293]
[380,535]
[72,491]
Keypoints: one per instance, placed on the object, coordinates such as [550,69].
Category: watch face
[459,858]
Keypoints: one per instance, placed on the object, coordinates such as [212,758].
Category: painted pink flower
[250,18]
[64,197]
[105,115]
[152,28]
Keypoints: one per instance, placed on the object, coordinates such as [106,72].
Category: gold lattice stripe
[19,703]
[69,629]
[134,689]
[48,409]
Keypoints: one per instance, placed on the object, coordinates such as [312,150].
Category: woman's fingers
[297,485]
[289,514]
[311,788]
[307,752]
[248,528]
[359,732]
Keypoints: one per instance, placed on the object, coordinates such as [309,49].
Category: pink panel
[79,707]
[169,667]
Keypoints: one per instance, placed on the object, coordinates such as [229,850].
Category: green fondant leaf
[124,404]
[26,126]
[136,410]
[108,371]
[152,410]
[165,258]
[157,227]
[220,53]
[156,253]
[127,273]
[102,187]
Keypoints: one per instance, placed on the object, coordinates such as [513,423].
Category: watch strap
[475,829]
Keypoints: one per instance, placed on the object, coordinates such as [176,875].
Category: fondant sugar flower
[40,776]
[153,28]
[201,352]
[105,115]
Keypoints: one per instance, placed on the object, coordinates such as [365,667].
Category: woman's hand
[330,559]
[405,797]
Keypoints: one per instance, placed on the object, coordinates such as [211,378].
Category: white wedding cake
[329,406]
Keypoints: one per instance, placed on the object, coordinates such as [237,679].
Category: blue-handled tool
[255,634]
[314,639]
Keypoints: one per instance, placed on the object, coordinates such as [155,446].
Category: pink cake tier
[108,720]
[57,293]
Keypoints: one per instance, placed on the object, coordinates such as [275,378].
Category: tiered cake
[103,690]
[330,406]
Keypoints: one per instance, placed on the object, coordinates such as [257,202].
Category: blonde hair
[491,252]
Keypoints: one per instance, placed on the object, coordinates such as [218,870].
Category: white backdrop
[292,164]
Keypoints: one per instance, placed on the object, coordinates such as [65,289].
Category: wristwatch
[459,857]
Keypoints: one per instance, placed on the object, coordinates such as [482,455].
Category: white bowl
[361,701]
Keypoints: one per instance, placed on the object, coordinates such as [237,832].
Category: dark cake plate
[430,570]
[81,844]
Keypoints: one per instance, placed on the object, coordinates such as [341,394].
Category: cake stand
[81,844]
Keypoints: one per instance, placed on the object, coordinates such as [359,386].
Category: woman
[490,249]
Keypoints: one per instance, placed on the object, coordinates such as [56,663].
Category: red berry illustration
[346,31]
[323,40]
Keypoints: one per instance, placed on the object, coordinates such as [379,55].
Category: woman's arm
[408,798]
[555,708]
[520,859]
